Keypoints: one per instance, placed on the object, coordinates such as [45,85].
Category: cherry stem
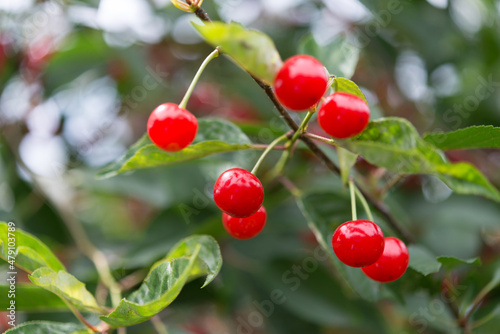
[301,128]
[286,155]
[265,146]
[266,152]
[353,200]
[363,202]
[320,138]
[190,89]
[80,316]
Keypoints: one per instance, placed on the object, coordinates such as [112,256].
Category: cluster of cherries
[361,243]
[300,85]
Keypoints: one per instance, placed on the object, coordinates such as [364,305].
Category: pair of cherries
[361,243]
[301,83]
[239,194]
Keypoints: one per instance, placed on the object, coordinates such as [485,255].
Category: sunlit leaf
[66,286]
[253,50]
[192,257]
[29,252]
[209,254]
[347,86]
[158,290]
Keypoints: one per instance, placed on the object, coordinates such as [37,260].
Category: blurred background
[78,80]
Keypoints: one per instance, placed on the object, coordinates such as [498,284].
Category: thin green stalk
[353,201]
[280,165]
[159,325]
[190,89]
[286,155]
[477,301]
[301,128]
[79,316]
[320,138]
[364,203]
[79,235]
[266,152]
[107,278]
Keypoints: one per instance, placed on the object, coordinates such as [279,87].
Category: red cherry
[171,127]
[301,82]
[245,228]
[343,115]
[392,264]
[358,243]
[238,193]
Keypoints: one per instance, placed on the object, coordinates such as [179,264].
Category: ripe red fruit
[392,264]
[343,115]
[301,82]
[245,228]
[358,243]
[171,127]
[238,193]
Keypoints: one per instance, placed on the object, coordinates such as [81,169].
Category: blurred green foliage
[78,80]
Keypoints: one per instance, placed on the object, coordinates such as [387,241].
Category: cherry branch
[379,206]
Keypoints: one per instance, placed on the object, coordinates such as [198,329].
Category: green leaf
[347,160]
[450,262]
[192,257]
[394,143]
[214,136]
[339,56]
[422,260]
[325,212]
[48,327]
[347,86]
[253,50]
[209,256]
[471,137]
[67,287]
[29,252]
[31,298]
